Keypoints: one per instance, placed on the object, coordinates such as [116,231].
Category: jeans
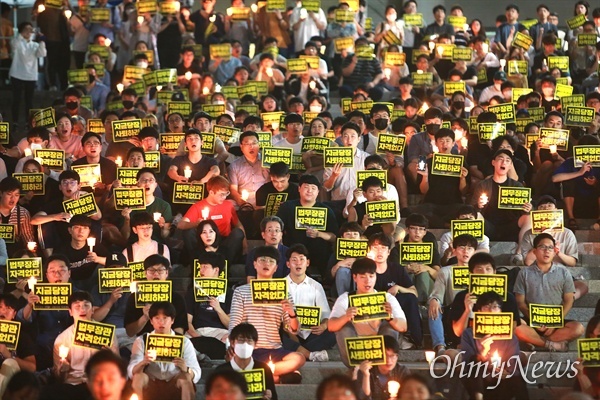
[343,280]
[19,88]
[348,331]
[324,341]
[441,329]
[410,306]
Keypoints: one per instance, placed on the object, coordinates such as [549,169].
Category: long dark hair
[214,227]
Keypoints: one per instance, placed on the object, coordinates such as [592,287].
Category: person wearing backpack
[142,225]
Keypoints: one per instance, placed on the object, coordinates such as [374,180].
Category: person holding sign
[357,71]
[292,136]
[268,320]
[222,68]
[70,370]
[372,189]
[466,213]
[13,214]
[279,175]
[271,228]
[148,137]
[92,146]
[156,379]
[545,282]
[364,274]
[341,270]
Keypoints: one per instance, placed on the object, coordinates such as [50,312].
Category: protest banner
[166,76]
[182,107]
[338,155]
[187,193]
[23,268]
[53,296]
[110,279]
[523,41]
[132,198]
[544,220]
[99,15]
[490,130]
[273,202]
[378,173]
[460,277]
[311,218]
[171,141]
[382,212]
[7,232]
[504,112]
[579,116]
[96,126]
[4,132]
[421,253]
[513,198]
[255,378]
[33,182]
[204,288]
[315,143]
[10,331]
[554,137]
[85,205]
[127,176]
[498,325]
[45,118]
[214,110]
[447,164]
[481,283]
[93,335]
[414,20]
[364,348]
[166,347]
[137,271]
[264,140]
[208,143]
[268,292]
[462,54]
[152,160]
[89,174]
[308,316]
[350,248]
[473,227]
[560,62]
[198,267]
[271,155]
[589,351]
[227,134]
[125,130]
[77,77]
[149,292]
[422,79]
[391,143]
[451,87]
[370,306]
[585,154]
[544,315]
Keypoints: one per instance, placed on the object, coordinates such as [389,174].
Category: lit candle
[271,365]
[419,71]
[252,48]
[132,287]
[312,85]
[120,87]
[553,148]
[157,216]
[464,142]
[158,88]
[269,72]
[119,161]
[39,160]
[429,356]
[275,125]
[91,241]
[152,354]
[393,387]
[422,165]
[205,90]
[210,26]
[254,9]
[68,14]
[205,212]
[107,42]
[466,27]
[93,182]
[323,49]
[545,62]
[483,198]
[41,8]
[187,172]
[230,11]
[188,75]
[31,283]
[135,396]
[387,72]
[245,194]
[217,88]
[27,152]
[431,46]
[177,6]
[440,50]
[140,19]
[496,360]
[63,352]
[31,246]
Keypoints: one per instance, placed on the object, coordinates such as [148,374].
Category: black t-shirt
[361,210]
[395,274]
[199,169]
[80,268]
[193,68]
[458,306]
[492,213]
[268,188]
[443,190]
[203,315]
[132,314]
[61,227]
[428,238]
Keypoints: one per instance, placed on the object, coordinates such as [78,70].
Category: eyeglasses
[266,260]
[250,144]
[58,272]
[92,144]
[417,229]
[545,248]
[151,180]
[223,194]
[176,119]
[156,271]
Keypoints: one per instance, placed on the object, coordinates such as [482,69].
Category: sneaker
[293,378]
[405,343]
[319,356]
[517,259]
[441,350]
[557,346]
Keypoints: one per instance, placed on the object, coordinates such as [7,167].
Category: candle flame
[245,195]
[120,87]
[41,8]
[107,42]
[393,388]
[63,352]
[68,14]
[188,75]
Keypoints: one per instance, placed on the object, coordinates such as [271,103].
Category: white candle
[440,51]
[152,354]
[91,241]
[135,396]
[553,148]
[205,90]
[254,9]
[271,365]
[496,360]
[31,283]
[269,72]
[245,195]
[431,46]
[158,88]
[420,71]
[119,161]
[41,8]
[252,48]
[107,42]
[429,356]
[275,125]
[312,85]
[177,6]
[205,212]
[230,11]
[393,388]
[27,152]
[502,63]
[68,14]
[63,352]
[466,27]
[31,246]
[120,87]
[132,287]
[217,88]
[188,75]
[483,198]
[157,216]
[187,172]
[387,72]
[140,19]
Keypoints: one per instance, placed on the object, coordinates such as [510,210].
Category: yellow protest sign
[308,116]
[350,248]
[414,20]
[131,73]
[550,316]
[110,279]
[460,277]
[166,347]
[51,158]
[269,292]
[344,16]
[125,130]
[132,198]
[171,141]
[447,164]
[451,87]
[239,13]
[230,92]
[554,137]
[364,106]
[311,217]
[31,183]
[275,5]
[521,123]
[146,6]
[518,92]
[585,154]
[272,118]
[137,270]
[343,44]
[273,203]
[577,100]
[560,62]
[421,253]
[473,227]
[214,110]
[127,176]
[481,283]
[10,332]
[363,348]
[563,90]
[4,132]
[89,174]
[391,38]
[53,3]
[99,15]
[462,54]
[198,274]
[498,325]
[222,51]
[422,79]
[227,134]
[246,90]
[315,143]
[589,351]
[531,138]
[53,296]
[77,77]
[546,220]
[45,118]
[271,155]
[370,306]
[537,113]
[7,232]
[504,112]
[165,76]
[579,116]
[394,59]
[523,41]
[264,139]
[378,173]
[587,39]
[383,211]
[297,66]
[152,160]
[445,50]
[187,193]
[338,155]
[513,198]
[182,107]
[391,143]
[93,335]
[576,21]
[204,288]
[23,268]
[170,8]
[308,316]
[208,143]
[85,205]
[255,381]
[96,126]
[102,51]
[346,105]
[152,291]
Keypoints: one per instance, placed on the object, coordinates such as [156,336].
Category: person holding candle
[149,139]
[109,28]
[191,80]
[12,213]
[222,69]
[32,202]
[142,224]
[92,146]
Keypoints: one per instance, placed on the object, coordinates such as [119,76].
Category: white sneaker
[319,356]
[405,344]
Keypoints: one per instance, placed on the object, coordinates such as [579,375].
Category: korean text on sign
[152,292]
[364,348]
[481,283]
[416,253]
[93,335]
[351,248]
[546,315]
[308,317]
[370,306]
[499,325]
[167,347]
[53,296]
[268,292]
[311,217]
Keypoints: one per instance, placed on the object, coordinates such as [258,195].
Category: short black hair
[464,240]
[445,132]
[79,296]
[156,259]
[364,265]
[371,181]
[39,131]
[380,238]
[80,220]
[487,298]
[136,149]
[105,357]
[10,301]
[58,257]
[542,236]
[390,343]
[141,218]
[481,259]
[244,330]
[298,248]
[165,307]
[350,227]
[266,251]
[144,170]
[279,169]
[336,380]
[375,158]
[271,218]
[247,134]
[232,377]
[214,259]
[9,184]
[415,219]
[88,135]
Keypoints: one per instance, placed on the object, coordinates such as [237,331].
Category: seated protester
[442,193]
[220,211]
[148,137]
[137,320]
[341,270]
[479,155]
[268,320]
[84,261]
[318,242]
[587,377]
[70,371]
[92,146]
[290,136]
[109,308]
[305,291]
[129,98]
[499,224]
[189,64]
[341,320]
[142,225]
[423,275]
[279,174]
[47,323]
[230,382]
[274,77]
[466,212]
[508,382]
[65,138]
[461,309]
[243,339]
[36,138]
[106,366]
[204,123]
[208,320]
[272,233]
[393,278]
[545,282]
[176,124]
[209,240]
[163,380]
[72,105]
[372,381]
[518,170]
[443,293]
[372,190]
[12,213]
[53,219]
[32,202]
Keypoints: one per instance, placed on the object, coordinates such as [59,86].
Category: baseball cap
[116,260]
[500,76]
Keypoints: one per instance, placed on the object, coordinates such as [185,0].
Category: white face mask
[243,350]
[315,108]
[35,146]
[142,65]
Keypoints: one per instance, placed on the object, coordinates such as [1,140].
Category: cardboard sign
[89,174]
[269,292]
[560,62]
[227,134]
[99,15]
[577,100]
[481,283]
[23,268]
[315,143]
[460,277]
[275,5]
[96,126]
[580,116]
[230,92]
[583,154]
[422,79]
[182,107]
[371,306]
[537,113]
[338,155]
[4,132]
[93,335]
[490,130]
[346,105]
[131,73]
[222,51]
[576,21]
[391,143]
[204,288]
[45,118]
[451,87]
[587,39]
[171,141]
[264,140]
[255,381]
[523,41]
[125,130]
[198,275]
[417,53]
[421,253]
[588,350]
[7,232]
[382,212]
[462,54]
[554,137]
[271,155]
[297,66]
[413,20]
[152,160]
[85,205]
[133,198]
[137,270]
[563,90]
[165,76]
[447,164]
[350,248]
[518,92]
[272,118]
[261,86]
[273,203]
[149,292]
[127,176]
[32,183]
[473,125]
[546,315]
[521,123]
[53,296]
[53,3]
[343,44]
[10,332]
[102,51]
[499,325]
[187,193]
[504,112]
[512,198]
[110,279]
[246,90]
[542,221]
[394,59]
[298,166]
[238,14]
[562,81]
[77,77]
[308,317]
[311,217]
[364,106]
[364,348]
[391,38]
[167,347]
[457,22]
[208,143]
[473,227]
[53,159]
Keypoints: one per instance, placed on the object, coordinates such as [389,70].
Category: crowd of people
[191,147]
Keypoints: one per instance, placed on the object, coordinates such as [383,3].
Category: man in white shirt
[306,24]
[294,124]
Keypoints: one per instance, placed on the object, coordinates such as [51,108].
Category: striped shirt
[23,228]
[266,319]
